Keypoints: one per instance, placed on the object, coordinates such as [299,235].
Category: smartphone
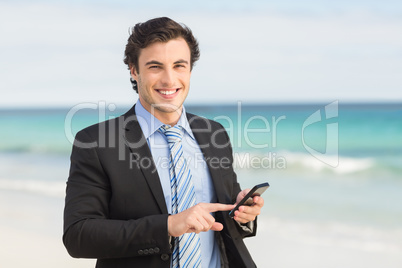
[248,199]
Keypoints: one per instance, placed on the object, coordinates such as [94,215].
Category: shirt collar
[150,124]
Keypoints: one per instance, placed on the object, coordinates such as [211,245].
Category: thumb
[241,195]
[217,226]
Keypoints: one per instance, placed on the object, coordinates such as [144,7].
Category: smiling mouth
[168,92]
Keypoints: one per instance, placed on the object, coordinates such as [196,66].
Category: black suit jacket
[115,209]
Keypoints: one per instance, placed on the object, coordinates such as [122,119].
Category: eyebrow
[153,62]
[181,61]
[160,63]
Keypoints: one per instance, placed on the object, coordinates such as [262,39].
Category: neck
[169,118]
[168,115]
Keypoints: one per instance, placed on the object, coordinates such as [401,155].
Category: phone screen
[247,200]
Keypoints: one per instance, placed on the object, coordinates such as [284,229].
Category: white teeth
[167,92]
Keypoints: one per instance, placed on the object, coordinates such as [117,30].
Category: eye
[154,67]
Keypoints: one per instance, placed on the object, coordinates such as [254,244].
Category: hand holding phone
[248,199]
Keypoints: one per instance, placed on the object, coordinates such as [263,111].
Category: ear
[133,72]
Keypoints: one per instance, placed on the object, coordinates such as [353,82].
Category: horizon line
[220,104]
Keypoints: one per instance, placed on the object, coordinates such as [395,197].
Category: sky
[62,53]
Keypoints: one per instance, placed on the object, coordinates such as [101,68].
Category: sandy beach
[31,230]
[21,248]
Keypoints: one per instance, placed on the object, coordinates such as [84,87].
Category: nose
[167,79]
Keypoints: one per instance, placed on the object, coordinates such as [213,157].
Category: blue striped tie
[187,251]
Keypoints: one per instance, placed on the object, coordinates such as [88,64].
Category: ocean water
[334,168]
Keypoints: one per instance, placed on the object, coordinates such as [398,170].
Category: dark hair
[158,30]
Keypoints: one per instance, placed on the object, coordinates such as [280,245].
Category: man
[140,196]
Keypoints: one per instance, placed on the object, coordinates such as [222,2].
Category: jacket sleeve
[89,231]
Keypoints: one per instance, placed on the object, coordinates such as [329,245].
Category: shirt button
[165,257]
[156,250]
[140,252]
[146,251]
[151,251]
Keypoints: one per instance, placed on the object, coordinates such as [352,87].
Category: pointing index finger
[213,207]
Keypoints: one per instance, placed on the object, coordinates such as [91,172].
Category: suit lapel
[200,127]
[138,145]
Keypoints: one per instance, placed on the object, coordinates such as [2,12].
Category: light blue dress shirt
[204,188]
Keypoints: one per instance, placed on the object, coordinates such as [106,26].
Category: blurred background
[309,91]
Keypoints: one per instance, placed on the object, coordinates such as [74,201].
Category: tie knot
[173,134]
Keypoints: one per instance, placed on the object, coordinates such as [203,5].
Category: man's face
[164,77]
